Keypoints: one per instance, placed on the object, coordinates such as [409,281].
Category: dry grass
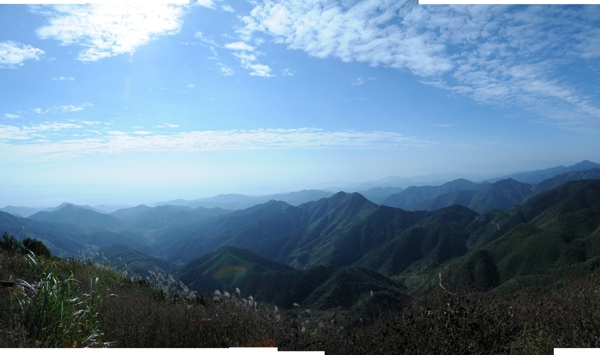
[460,321]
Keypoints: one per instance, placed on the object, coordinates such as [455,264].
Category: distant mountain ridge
[537,176]
[238,201]
[416,194]
[79,215]
[483,197]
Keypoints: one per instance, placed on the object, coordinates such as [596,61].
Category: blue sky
[131,104]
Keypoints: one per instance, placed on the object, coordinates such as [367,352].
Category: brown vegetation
[133,314]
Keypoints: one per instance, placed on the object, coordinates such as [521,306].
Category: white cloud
[11,116]
[64,78]
[171,125]
[62,109]
[288,72]
[227,8]
[191,86]
[205,3]
[106,30]
[38,131]
[115,142]
[239,46]
[142,132]
[248,60]
[496,55]
[13,54]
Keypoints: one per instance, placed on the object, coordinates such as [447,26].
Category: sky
[135,103]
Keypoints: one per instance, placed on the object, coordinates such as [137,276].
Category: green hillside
[320,287]
[556,230]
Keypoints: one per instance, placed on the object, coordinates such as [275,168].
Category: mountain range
[337,249]
[482,197]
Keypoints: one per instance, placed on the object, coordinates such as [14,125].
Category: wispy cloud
[64,78]
[62,109]
[206,40]
[23,133]
[171,125]
[247,57]
[114,142]
[191,86]
[106,30]
[13,54]
[227,8]
[11,116]
[225,70]
[496,55]
[288,72]
[358,82]
[239,46]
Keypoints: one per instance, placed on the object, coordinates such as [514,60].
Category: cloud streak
[115,142]
[62,109]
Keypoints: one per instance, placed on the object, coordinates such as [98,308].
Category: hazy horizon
[162,102]
[114,195]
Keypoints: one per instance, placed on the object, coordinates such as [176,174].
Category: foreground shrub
[55,312]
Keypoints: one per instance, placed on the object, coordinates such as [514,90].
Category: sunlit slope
[553,231]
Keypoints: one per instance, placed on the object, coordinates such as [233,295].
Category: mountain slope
[379,194]
[72,214]
[535,177]
[20,211]
[555,230]
[562,178]
[239,202]
[343,230]
[261,227]
[500,195]
[321,287]
[417,194]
